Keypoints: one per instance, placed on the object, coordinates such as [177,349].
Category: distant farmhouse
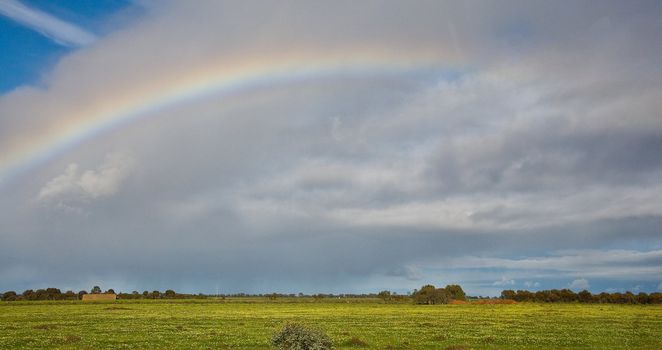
[100,297]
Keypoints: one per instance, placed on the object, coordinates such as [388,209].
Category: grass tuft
[356,342]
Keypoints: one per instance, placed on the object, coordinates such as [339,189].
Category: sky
[336,147]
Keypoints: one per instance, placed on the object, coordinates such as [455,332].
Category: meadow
[352,324]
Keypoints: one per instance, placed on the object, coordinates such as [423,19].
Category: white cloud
[579,284]
[101,182]
[529,284]
[504,282]
[65,183]
[62,32]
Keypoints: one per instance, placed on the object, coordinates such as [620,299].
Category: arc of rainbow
[205,82]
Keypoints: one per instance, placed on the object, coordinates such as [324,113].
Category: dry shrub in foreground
[295,336]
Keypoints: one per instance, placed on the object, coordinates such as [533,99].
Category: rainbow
[211,80]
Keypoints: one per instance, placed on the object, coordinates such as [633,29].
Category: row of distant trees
[568,296]
[428,294]
[57,294]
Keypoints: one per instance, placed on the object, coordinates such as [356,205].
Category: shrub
[298,337]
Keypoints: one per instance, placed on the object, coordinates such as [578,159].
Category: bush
[297,337]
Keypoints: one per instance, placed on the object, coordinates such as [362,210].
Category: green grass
[250,323]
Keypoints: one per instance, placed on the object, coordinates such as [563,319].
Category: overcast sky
[494,144]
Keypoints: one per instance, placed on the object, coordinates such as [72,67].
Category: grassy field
[246,324]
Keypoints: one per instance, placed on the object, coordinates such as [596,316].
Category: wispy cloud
[504,282]
[62,32]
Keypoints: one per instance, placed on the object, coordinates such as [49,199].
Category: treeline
[428,294]
[382,295]
[568,296]
[57,294]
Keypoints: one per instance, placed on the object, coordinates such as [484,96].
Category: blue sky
[498,145]
[28,55]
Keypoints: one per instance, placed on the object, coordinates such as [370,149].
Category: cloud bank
[528,154]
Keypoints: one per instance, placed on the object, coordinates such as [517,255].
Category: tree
[585,296]
[440,296]
[508,294]
[170,293]
[428,294]
[567,295]
[110,291]
[40,294]
[53,294]
[655,298]
[96,290]
[642,298]
[524,295]
[455,292]
[385,295]
[629,298]
[9,296]
[29,295]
